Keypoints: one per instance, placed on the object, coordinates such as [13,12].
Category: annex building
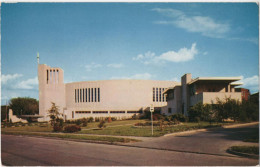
[124,98]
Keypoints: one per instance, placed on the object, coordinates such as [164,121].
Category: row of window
[106,112]
[52,76]
[158,95]
[87,95]
[83,112]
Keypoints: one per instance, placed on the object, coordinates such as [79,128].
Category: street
[34,151]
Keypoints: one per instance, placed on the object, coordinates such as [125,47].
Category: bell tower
[51,89]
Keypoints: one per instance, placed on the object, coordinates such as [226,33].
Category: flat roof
[225,79]
[168,89]
[237,83]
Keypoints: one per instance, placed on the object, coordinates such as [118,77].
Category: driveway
[210,141]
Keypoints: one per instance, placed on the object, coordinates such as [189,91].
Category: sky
[103,41]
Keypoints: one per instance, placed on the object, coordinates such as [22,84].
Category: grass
[75,136]
[246,149]
[29,129]
[145,131]
[121,128]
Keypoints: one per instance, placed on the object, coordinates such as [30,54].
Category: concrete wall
[115,95]
[174,103]
[209,97]
[51,89]
[14,118]
[185,97]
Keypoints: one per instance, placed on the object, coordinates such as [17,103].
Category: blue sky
[101,41]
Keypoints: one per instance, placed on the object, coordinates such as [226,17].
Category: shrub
[90,119]
[197,119]
[84,122]
[72,128]
[179,117]
[101,124]
[109,120]
[78,122]
[97,119]
[57,127]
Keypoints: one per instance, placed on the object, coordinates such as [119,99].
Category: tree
[24,106]
[56,121]
[4,113]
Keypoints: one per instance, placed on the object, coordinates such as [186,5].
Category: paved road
[25,151]
[211,141]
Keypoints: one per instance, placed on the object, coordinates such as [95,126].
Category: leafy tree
[56,121]
[24,106]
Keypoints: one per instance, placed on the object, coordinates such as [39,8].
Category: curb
[243,154]
[213,128]
[240,125]
[75,140]
[126,145]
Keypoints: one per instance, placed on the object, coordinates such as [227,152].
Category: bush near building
[72,128]
[235,110]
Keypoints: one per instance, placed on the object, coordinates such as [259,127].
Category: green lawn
[120,128]
[246,149]
[145,131]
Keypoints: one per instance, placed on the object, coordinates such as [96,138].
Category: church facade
[125,98]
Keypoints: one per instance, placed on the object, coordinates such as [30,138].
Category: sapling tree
[56,121]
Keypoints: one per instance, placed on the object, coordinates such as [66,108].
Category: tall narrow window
[98,95]
[86,95]
[163,95]
[153,94]
[57,76]
[50,76]
[160,94]
[47,76]
[75,95]
[89,95]
[83,95]
[72,114]
[95,94]
[53,76]
[157,94]
[78,95]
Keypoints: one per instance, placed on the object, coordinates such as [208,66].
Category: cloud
[199,24]
[144,76]
[9,77]
[252,40]
[115,65]
[251,83]
[27,84]
[92,66]
[182,55]
[175,79]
